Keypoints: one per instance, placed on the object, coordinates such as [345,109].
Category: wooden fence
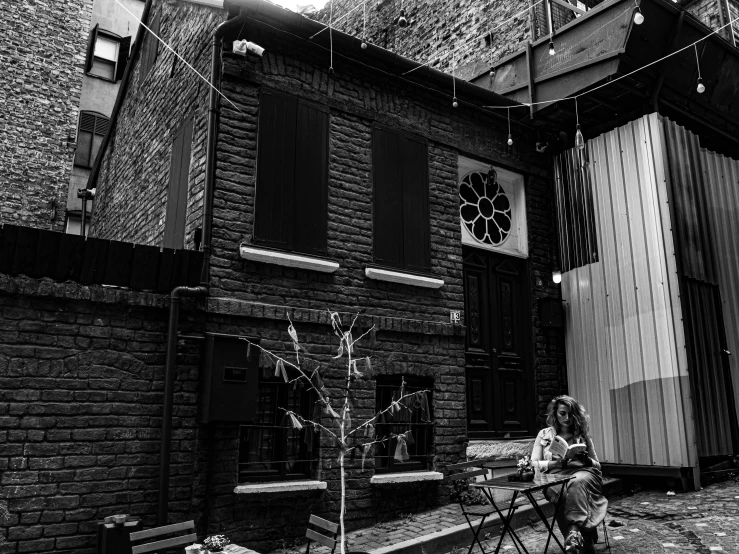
[39,253]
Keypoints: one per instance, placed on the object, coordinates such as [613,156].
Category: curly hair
[580,418]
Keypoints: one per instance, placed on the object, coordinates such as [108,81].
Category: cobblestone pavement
[704,521]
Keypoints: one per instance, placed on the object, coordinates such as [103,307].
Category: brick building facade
[445,35]
[157,141]
[41,81]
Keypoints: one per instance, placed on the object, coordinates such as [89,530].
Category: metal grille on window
[421,451]
[269,450]
[484,207]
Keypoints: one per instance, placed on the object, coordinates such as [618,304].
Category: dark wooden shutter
[311,180]
[123,52]
[174,226]
[388,198]
[416,237]
[92,39]
[151,47]
[274,204]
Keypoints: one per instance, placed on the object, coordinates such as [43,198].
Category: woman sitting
[584,507]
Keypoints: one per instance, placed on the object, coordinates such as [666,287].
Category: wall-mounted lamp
[557,276]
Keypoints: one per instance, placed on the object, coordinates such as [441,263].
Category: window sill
[287,259]
[281,487]
[403,278]
[410,477]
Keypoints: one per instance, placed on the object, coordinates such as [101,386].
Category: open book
[560,449]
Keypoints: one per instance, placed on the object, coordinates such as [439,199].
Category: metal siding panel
[668,370]
[603,343]
[623,327]
[630,390]
[641,228]
[722,175]
[682,383]
[623,438]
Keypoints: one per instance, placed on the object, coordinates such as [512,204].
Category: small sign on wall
[455,317]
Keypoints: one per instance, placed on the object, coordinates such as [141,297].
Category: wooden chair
[160,544]
[324,526]
[471,470]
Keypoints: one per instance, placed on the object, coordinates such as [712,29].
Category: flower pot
[527,475]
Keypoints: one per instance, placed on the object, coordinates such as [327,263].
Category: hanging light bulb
[364,45]
[701,88]
[557,276]
[638,17]
[552,52]
[510,140]
[492,72]
[579,139]
[402,21]
[454,102]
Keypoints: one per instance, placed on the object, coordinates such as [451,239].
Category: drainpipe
[201,291]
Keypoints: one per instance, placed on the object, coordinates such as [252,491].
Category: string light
[364,28]
[454,79]
[638,16]
[579,139]
[402,21]
[510,138]
[331,38]
[492,69]
[701,88]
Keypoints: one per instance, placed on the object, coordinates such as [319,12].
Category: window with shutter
[107,54]
[179,172]
[401,232]
[292,174]
[92,129]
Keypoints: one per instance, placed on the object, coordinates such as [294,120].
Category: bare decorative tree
[362,438]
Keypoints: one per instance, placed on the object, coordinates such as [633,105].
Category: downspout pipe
[170,371]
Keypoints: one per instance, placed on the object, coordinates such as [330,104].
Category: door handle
[495,350]
[725,351]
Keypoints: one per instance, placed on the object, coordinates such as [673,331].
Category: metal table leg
[506,520]
[540,513]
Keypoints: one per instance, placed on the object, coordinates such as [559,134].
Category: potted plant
[525,469]
[215,543]
[352,439]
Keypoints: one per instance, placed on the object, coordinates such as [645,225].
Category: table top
[541,482]
[236,549]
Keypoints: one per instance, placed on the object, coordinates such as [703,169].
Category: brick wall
[82,378]
[42,56]
[445,34]
[133,181]
[357,97]
[413,337]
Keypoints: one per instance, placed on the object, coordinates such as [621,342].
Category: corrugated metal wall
[704,199]
[626,356]
[722,186]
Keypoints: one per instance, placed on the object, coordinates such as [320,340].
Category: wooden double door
[498,357]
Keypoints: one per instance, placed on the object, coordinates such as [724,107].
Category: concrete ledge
[461,535]
[410,477]
[281,487]
[287,259]
[403,278]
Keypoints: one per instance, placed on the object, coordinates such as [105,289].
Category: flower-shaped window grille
[484,207]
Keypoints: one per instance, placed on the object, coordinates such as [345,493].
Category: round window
[484,207]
